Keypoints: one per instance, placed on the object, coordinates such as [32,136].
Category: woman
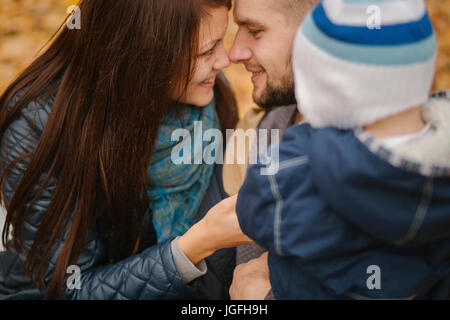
[85,148]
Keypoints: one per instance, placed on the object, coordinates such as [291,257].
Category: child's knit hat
[359,61]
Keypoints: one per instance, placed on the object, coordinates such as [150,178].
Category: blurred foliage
[27,25]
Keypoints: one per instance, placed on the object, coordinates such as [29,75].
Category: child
[360,207]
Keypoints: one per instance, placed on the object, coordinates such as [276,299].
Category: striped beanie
[359,61]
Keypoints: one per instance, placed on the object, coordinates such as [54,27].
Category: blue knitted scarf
[177,190]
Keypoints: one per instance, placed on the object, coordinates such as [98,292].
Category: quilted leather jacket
[150,274]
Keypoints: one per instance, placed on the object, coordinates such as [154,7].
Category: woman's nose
[223,60]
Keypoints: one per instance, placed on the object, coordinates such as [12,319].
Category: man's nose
[239,52]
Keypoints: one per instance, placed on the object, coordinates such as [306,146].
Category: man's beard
[277,95]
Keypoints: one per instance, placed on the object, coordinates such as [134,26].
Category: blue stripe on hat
[388,35]
[404,54]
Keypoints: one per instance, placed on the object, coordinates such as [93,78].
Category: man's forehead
[254,11]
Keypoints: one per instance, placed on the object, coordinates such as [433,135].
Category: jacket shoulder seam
[421,212]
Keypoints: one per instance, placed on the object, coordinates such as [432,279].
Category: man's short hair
[295,9]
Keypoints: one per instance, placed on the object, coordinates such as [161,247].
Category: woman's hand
[217,230]
[222,225]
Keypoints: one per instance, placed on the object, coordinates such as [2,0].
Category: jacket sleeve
[148,275]
[151,274]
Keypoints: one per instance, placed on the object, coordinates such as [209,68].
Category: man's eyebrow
[247,22]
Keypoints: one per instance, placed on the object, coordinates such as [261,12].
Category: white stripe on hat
[338,93]
[354,12]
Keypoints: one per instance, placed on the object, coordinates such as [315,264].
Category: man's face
[264,45]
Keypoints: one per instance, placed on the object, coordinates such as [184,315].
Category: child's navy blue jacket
[337,207]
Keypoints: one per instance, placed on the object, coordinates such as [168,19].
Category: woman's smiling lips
[208,83]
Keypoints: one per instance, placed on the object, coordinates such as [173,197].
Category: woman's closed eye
[210,52]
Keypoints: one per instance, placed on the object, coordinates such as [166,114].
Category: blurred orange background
[27,25]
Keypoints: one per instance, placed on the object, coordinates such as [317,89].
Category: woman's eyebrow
[210,44]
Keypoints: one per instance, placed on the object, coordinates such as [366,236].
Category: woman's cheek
[200,95]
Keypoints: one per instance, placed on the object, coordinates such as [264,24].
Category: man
[327,220]
[264,45]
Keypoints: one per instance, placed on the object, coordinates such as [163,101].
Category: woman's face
[211,59]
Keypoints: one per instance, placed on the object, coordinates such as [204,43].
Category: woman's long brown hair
[112,81]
